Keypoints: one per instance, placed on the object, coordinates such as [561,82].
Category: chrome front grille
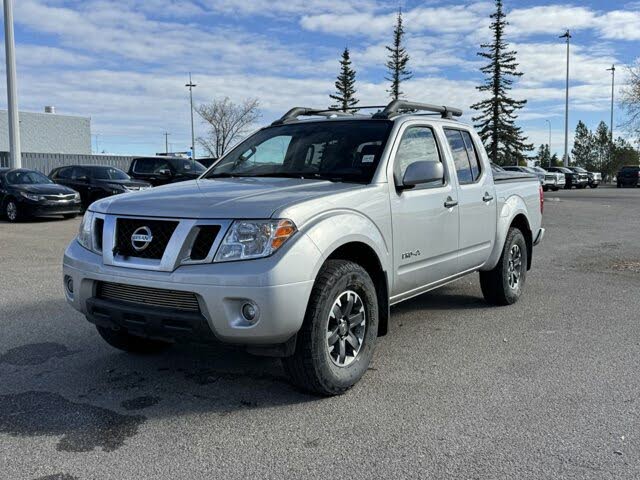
[60,198]
[147,296]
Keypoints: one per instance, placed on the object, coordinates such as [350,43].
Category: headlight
[85,234]
[248,239]
[117,188]
[31,196]
[76,196]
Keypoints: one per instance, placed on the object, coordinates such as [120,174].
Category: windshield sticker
[368,158]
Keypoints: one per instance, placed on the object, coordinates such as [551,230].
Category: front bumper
[277,285]
[33,209]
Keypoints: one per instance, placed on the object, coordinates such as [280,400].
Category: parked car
[94,182]
[163,170]
[572,179]
[27,193]
[297,241]
[552,180]
[594,178]
[514,168]
[628,176]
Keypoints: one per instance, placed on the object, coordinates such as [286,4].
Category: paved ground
[548,388]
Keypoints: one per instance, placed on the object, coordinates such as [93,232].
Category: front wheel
[12,210]
[335,344]
[504,284]
[555,189]
[122,340]
[595,185]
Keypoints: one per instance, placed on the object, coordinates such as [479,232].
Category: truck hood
[220,198]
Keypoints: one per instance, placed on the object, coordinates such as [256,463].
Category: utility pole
[549,144]
[166,142]
[191,86]
[613,83]
[12,86]
[567,35]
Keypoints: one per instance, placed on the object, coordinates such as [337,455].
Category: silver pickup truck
[299,240]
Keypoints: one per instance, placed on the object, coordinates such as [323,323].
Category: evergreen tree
[345,85]
[583,147]
[555,161]
[398,60]
[505,141]
[602,147]
[543,156]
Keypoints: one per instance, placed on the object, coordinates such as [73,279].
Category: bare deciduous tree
[631,100]
[228,122]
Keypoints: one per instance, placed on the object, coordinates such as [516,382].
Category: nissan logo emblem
[141,238]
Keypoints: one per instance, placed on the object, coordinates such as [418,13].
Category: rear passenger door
[476,200]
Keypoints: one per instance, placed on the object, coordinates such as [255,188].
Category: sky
[124,63]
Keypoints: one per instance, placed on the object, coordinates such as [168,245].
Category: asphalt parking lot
[547,388]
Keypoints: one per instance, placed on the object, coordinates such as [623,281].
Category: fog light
[68,281]
[250,312]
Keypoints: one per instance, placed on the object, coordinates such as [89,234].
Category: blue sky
[124,63]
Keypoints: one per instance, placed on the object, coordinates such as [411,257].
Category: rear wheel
[335,344]
[504,284]
[594,185]
[122,340]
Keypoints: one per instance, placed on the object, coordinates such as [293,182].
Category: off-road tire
[495,283]
[122,340]
[311,367]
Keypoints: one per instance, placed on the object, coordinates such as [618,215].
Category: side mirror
[165,172]
[421,172]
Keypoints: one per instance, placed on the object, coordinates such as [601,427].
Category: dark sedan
[96,182]
[27,193]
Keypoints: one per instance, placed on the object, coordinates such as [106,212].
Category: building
[49,132]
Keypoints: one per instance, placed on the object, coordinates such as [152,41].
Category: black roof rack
[293,114]
[397,107]
[394,108]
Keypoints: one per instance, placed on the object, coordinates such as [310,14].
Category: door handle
[487,197]
[450,203]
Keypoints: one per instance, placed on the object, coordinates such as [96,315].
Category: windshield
[26,177]
[337,151]
[538,169]
[188,166]
[578,169]
[564,170]
[529,169]
[108,173]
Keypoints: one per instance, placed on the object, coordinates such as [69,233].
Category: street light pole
[191,86]
[567,35]
[549,144]
[166,142]
[12,87]
[613,83]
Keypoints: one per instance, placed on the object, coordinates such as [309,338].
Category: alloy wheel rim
[514,270]
[346,327]
[11,211]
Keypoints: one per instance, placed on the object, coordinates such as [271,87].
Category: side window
[472,153]
[64,173]
[144,165]
[418,144]
[460,157]
[161,164]
[78,172]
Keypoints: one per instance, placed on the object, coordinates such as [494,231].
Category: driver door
[424,218]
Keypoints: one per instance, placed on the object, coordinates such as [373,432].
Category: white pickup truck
[297,242]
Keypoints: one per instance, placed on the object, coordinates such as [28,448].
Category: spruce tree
[504,140]
[398,60]
[602,147]
[583,147]
[345,85]
[543,156]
